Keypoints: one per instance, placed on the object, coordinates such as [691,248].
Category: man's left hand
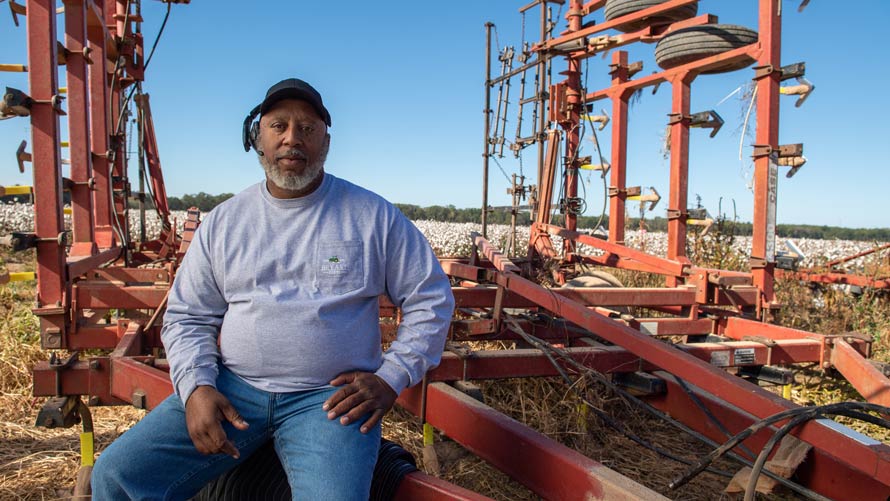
[360,393]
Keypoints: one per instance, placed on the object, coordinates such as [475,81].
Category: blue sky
[404,84]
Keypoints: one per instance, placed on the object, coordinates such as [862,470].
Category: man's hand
[204,411]
[360,393]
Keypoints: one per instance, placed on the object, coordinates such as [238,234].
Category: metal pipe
[487,112]
[518,70]
[542,107]
[508,63]
[140,117]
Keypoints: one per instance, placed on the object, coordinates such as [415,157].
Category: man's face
[294,142]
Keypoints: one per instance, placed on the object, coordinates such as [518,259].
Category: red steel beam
[548,468]
[159,192]
[78,129]
[871,383]
[100,128]
[120,297]
[669,266]
[522,363]
[599,28]
[838,278]
[735,391]
[835,262]
[618,174]
[698,66]
[419,486]
[46,156]
[78,266]
[130,376]
[763,239]
[679,180]
[481,297]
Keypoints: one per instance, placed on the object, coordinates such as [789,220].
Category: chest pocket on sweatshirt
[339,266]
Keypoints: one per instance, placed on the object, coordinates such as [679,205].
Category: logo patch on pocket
[334,265]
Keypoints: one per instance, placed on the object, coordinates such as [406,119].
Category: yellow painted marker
[86,449]
[428,436]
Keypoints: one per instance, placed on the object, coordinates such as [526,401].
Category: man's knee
[107,474]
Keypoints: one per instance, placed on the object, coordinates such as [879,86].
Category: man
[271,329]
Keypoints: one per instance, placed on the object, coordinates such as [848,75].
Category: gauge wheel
[691,44]
[619,8]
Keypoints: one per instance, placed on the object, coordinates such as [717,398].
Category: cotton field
[453,239]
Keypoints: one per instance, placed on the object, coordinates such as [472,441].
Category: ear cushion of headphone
[254,133]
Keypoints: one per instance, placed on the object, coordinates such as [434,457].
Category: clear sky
[404,84]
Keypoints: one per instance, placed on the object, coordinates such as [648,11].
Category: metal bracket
[599,43]
[632,68]
[757,263]
[59,412]
[677,214]
[703,120]
[786,155]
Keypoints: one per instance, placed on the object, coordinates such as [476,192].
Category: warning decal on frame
[744,356]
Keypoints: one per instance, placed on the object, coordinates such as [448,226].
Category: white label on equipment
[720,358]
[650,328]
[772,190]
[744,356]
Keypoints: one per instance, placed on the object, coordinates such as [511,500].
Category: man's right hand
[205,410]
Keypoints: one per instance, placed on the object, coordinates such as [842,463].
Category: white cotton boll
[453,239]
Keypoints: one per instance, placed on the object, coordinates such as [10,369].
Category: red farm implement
[96,269]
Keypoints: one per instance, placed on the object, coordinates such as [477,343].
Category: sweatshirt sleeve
[195,311]
[415,283]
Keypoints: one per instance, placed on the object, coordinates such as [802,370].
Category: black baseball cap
[294,88]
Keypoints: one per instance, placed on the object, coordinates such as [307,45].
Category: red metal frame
[76,291]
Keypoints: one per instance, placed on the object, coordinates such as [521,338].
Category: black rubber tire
[262,478]
[696,42]
[618,8]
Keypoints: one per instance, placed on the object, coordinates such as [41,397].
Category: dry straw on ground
[36,463]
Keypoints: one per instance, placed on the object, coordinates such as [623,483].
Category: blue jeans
[323,459]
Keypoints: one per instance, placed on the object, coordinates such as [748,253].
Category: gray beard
[291,181]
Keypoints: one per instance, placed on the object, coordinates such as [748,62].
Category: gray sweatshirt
[286,291]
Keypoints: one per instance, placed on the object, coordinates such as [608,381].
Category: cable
[633,400]
[763,423]
[502,169]
[710,415]
[158,38]
[548,351]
